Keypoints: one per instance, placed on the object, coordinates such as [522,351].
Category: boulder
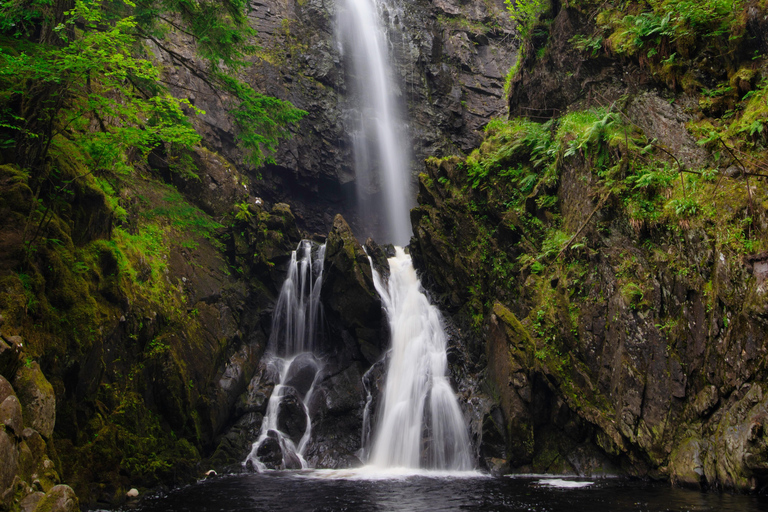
[11,415]
[61,498]
[291,416]
[5,389]
[29,503]
[301,373]
[269,452]
[37,398]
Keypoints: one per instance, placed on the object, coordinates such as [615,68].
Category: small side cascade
[419,424]
[287,426]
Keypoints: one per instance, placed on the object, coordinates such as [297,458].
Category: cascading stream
[381,157]
[287,426]
[419,423]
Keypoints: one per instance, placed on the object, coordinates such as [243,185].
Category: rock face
[450,60]
[137,346]
[640,349]
[353,308]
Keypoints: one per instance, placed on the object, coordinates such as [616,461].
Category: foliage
[261,120]
[87,80]
[242,212]
[526,13]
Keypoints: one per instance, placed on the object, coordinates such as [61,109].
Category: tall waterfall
[420,424]
[381,155]
[287,426]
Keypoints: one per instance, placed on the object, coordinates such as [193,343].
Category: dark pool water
[324,492]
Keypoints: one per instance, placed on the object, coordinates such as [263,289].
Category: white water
[381,154]
[419,423]
[295,324]
[296,316]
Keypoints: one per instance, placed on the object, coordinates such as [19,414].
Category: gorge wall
[606,246]
[601,261]
[450,60]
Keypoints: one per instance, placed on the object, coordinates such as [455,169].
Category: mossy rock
[60,498]
[37,397]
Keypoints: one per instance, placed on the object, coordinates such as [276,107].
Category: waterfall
[381,157]
[294,322]
[287,426]
[419,422]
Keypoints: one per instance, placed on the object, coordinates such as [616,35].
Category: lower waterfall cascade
[418,397]
[287,425]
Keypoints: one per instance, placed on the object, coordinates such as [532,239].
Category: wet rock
[292,461]
[301,374]
[236,444]
[269,452]
[342,392]
[687,463]
[6,389]
[59,499]
[352,306]
[291,415]
[493,445]
[37,397]
[379,257]
[337,411]
[256,397]
[509,350]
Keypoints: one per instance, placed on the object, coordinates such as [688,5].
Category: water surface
[326,491]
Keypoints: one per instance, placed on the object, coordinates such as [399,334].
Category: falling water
[381,157]
[419,424]
[287,426]
[294,322]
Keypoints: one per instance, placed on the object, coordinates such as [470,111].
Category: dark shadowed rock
[10,355]
[301,374]
[291,416]
[256,397]
[379,257]
[353,308]
[269,452]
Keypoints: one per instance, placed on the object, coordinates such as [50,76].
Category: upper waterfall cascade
[380,148]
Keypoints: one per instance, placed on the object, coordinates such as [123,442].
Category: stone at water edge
[61,498]
[270,453]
